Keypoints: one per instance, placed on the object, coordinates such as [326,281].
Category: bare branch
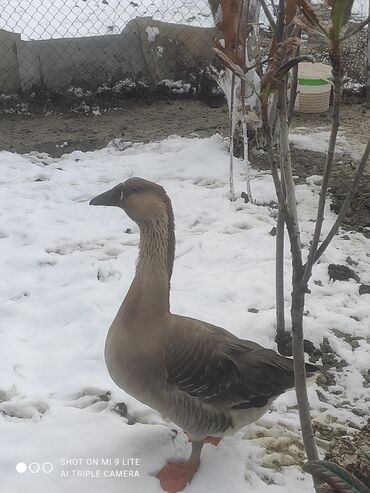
[279,277]
[273,6]
[337,81]
[269,16]
[280,23]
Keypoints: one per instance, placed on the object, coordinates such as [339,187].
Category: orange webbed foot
[175,477]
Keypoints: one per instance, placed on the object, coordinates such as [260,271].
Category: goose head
[142,200]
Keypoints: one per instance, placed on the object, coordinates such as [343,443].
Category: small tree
[282,58]
[230,18]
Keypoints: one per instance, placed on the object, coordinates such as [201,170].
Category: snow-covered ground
[44,19]
[65,268]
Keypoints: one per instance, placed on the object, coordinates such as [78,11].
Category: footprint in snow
[207,183]
[22,408]
[95,399]
[106,274]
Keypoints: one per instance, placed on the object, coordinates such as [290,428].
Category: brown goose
[203,378]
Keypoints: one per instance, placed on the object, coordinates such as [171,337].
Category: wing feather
[211,364]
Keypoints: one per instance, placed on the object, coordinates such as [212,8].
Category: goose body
[204,391]
[200,376]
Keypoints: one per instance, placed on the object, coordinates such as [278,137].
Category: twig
[337,82]
[269,16]
[273,7]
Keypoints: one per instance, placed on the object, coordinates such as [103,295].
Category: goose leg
[175,477]
[213,440]
[210,439]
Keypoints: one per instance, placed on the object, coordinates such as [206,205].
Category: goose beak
[112,197]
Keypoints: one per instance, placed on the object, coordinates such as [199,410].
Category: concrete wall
[9,75]
[177,51]
[81,62]
[146,49]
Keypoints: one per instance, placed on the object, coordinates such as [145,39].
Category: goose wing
[209,363]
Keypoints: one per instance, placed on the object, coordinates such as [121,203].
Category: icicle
[232,131]
[246,161]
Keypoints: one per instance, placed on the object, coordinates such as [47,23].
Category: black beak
[111,197]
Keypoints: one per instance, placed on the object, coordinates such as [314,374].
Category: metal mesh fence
[92,44]
[44,19]
[95,44]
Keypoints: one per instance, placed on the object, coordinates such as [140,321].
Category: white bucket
[313,87]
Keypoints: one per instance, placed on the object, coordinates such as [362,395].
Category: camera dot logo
[47,467]
[34,467]
[21,467]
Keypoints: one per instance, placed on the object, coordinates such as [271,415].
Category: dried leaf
[285,50]
[303,24]
[309,12]
[226,60]
[290,10]
[340,14]
[221,55]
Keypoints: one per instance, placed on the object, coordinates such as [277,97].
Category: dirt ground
[61,133]
[134,122]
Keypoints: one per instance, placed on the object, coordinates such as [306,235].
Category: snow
[318,142]
[65,269]
[152,33]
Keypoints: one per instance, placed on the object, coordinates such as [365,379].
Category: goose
[197,375]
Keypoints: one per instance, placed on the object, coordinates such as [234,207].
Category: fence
[93,44]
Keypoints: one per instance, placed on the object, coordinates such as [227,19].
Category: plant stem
[269,16]
[337,82]
[298,292]
[298,300]
[279,277]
